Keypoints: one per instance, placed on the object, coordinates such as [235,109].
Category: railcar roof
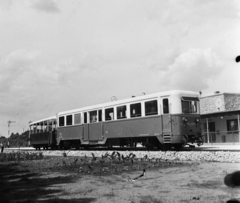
[45,119]
[134,99]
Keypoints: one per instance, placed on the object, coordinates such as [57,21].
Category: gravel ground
[207,156]
[216,156]
[183,176]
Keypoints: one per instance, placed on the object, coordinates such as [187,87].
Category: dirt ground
[66,179]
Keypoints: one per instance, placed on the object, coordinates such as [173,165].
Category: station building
[220,118]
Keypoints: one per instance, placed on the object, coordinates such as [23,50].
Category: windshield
[189,106]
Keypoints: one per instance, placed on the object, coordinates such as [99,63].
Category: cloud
[48,6]
[192,70]
[160,56]
[13,66]
[6,4]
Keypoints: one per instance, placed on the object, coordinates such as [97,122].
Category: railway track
[233,148]
[186,155]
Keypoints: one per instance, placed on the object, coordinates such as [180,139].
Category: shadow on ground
[21,185]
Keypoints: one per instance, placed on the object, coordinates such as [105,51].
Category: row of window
[41,127]
[150,108]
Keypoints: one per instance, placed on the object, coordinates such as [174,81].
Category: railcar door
[86,132]
[95,131]
[166,121]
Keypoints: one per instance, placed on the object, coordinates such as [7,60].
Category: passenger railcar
[161,120]
[43,133]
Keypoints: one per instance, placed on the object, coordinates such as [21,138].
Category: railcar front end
[183,127]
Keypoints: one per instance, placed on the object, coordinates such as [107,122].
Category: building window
[232,125]
[135,110]
[69,120]
[121,112]
[93,116]
[61,121]
[165,106]
[109,114]
[77,118]
[151,108]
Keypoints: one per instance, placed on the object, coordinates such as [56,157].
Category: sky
[58,55]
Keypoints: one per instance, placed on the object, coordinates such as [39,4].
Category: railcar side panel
[95,132]
[40,138]
[69,133]
[137,127]
[175,129]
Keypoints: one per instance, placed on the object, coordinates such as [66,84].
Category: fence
[221,137]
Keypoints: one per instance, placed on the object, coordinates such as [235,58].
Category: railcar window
[151,108]
[189,106]
[38,128]
[93,116]
[77,118]
[99,115]
[165,106]
[135,110]
[69,120]
[61,121]
[109,114]
[85,117]
[34,130]
[121,112]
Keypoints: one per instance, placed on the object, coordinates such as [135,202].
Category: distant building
[220,116]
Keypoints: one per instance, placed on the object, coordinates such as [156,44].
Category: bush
[20,156]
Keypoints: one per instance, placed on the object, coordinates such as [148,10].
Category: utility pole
[9,123]
[29,134]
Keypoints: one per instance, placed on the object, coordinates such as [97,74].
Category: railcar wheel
[200,142]
[149,146]
[86,147]
[167,147]
[177,147]
[159,146]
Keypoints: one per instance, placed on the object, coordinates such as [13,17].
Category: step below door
[166,128]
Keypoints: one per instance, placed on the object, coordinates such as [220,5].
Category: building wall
[220,103]
[212,104]
[220,130]
[225,104]
[232,102]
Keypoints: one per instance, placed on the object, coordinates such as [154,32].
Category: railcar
[43,133]
[161,120]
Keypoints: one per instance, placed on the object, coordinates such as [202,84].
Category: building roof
[220,114]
